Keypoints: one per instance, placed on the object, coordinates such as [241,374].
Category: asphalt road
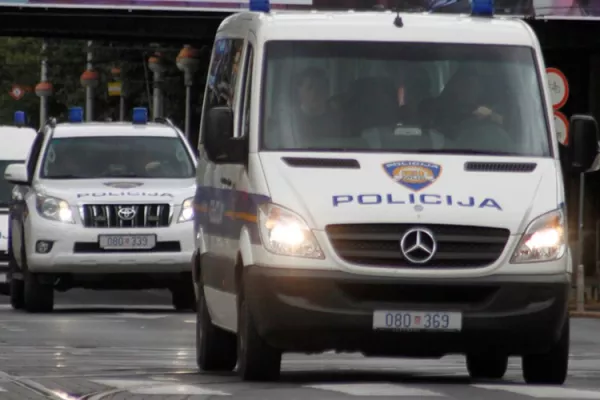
[130,345]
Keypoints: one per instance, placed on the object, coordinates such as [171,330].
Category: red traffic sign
[561,125]
[559,87]
[17,92]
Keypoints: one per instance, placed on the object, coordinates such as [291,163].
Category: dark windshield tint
[122,156]
[417,97]
[6,187]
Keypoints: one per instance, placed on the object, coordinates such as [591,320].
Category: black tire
[183,297]
[39,296]
[486,366]
[4,289]
[215,348]
[257,361]
[17,293]
[552,367]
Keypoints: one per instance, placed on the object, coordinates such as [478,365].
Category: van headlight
[543,240]
[54,208]
[285,233]
[187,210]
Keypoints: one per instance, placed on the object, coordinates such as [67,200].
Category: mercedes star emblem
[126,213]
[418,245]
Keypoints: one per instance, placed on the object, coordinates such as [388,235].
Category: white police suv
[16,142]
[105,206]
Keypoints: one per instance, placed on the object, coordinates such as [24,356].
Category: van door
[221,236]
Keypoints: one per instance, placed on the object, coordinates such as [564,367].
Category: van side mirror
[220,144]
[583,142]
[17,174]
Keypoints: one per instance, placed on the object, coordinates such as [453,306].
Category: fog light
[43,246]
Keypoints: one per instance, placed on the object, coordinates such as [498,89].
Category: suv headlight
[54,208]
[543,240]
[187,210]
[285,233]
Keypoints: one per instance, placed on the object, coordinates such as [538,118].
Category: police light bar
[140,115]
[482,8]
[19,118]
[260,5]
[75,114]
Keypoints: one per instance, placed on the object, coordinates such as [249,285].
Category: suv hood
[503,192]
[111,190]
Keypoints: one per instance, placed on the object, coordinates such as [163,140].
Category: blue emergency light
[19,118]
[260,5]
[482,8]
[140,115]
[75,114]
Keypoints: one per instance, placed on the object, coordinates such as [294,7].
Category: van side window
[245,122]
[223,74]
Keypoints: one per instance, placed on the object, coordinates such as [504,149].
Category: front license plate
[127,242]
[417,321]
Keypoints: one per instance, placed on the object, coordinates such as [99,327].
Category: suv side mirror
[583,142]
[220,144]
[16,174]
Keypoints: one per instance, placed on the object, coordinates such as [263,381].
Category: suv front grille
[378,245]
[135,216]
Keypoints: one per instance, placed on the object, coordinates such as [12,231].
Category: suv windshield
[122,156]
[403,97]
[6,187]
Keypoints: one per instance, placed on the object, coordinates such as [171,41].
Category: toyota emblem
[418,245]
[126,213]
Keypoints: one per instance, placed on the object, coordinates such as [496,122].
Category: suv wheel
[552,367]
[39,296]
[215,348]
[487,366]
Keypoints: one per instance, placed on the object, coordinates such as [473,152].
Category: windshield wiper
[123,175]
[462,151]
[66,176]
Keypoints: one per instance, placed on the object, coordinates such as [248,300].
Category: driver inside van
[313,116]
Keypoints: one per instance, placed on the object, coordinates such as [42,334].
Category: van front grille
[378,245]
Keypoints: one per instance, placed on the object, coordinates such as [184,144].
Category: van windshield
[6,187]
[403,97]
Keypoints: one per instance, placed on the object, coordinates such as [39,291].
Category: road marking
[374,389]
[547,392]
[142,316]
[152,387]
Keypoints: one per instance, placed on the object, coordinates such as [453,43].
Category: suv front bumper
[75,249]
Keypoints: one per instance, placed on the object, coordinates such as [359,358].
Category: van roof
[15,142]
[353,26]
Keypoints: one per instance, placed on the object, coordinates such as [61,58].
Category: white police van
[386,184]
[106,206]
[16,142]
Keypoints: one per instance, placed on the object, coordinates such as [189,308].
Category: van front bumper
[313,311]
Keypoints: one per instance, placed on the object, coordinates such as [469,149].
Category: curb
[585,314]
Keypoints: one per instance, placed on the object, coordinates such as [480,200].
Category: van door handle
[226,182]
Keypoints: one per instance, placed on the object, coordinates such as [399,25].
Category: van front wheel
[257,361]
[552,367]
[215,348]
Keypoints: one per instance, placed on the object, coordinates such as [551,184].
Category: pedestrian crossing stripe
[544,392]
[166,388]
[374,389]
[153,387]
